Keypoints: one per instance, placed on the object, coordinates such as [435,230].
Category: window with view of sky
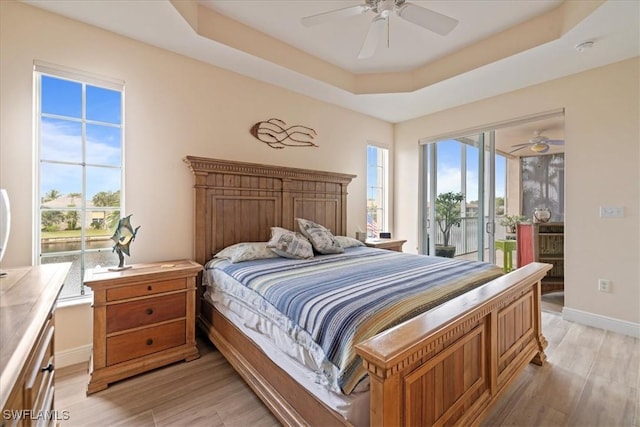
[450,170]
[377,190]
[80,146]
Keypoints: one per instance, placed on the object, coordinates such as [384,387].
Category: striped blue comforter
[343,299]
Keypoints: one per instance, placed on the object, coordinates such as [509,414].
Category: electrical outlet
[604,285]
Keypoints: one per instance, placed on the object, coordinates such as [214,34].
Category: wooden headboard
[240,202]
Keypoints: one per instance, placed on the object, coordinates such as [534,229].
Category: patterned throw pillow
[246,251]
[321,238]
[289,244]
[348,242]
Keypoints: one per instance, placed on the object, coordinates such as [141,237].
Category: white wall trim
[603,322]
[73,356]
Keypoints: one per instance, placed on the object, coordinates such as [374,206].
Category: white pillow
[321,239]
[246,251]
[289,244]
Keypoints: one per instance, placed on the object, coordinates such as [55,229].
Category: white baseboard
[73,356]
[602,322]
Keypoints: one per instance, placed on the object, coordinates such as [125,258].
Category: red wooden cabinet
[524,237]
[543,242]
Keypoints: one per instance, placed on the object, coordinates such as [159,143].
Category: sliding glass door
[458,197]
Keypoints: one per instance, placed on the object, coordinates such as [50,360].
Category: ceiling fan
[538,143]
[425,18]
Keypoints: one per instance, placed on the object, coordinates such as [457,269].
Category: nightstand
[143,318]
[389,244]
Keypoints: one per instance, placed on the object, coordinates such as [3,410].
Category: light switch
[611,211]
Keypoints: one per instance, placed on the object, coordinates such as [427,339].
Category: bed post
[343,219]
[200,226]
[540,356]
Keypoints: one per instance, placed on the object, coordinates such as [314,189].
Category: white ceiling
[339,41]
[614,27]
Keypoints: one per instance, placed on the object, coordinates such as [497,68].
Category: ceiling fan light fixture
[539,147]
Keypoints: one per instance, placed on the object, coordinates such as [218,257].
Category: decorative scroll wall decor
[276,134]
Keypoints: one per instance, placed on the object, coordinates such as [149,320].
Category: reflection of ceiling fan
[433,21]
[538,144]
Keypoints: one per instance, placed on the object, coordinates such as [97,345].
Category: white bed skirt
[353,407]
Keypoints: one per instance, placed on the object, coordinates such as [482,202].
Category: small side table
[389,244]
[507,247]
[143,318]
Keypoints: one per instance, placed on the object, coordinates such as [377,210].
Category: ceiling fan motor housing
[379,6]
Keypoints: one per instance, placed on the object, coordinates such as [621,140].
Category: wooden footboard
[448,366]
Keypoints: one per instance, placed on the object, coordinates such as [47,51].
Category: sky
[449,170]
[61,137]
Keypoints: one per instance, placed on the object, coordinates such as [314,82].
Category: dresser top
[27,296]
[104,277]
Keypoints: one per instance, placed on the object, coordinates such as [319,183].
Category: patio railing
[465,237]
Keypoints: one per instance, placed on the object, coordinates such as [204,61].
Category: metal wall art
[276,134]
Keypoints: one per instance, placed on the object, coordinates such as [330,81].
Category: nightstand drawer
[151,288]
[154,339]
[145,312]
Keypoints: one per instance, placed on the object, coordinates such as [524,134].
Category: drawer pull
[149,311]
[149,288]
[49,368]
[149,341]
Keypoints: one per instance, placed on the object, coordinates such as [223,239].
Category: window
[377,190]
[543,184]
[79,122]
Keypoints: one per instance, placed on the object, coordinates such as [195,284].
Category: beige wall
[175,106]
[602,111]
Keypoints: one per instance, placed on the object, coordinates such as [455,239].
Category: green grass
[90,232]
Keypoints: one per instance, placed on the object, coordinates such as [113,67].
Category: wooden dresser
[27,306]
[143,318]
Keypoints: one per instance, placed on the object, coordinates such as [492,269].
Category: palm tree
[109,199]
[50,195]
[72,217]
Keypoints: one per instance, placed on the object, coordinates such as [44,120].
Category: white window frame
[41,68]
[383,184]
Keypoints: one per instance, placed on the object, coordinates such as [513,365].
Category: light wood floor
[592,378]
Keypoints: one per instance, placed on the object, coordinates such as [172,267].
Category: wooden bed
[447,366]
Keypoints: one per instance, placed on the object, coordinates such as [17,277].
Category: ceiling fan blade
[432,21]
[517,149]
[375,33]
[555,141]
[323,17]
[521,145]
